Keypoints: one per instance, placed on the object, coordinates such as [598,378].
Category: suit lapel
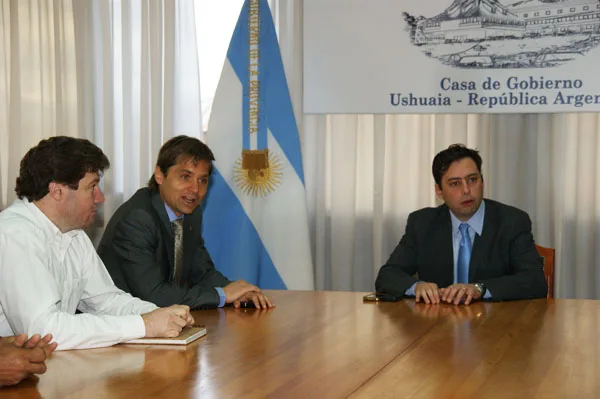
[447,251]
[166,229]
[190,224]
[483,243]
[441,237]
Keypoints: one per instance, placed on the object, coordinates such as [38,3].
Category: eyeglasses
[471,180]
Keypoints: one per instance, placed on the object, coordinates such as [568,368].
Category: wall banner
[451,56]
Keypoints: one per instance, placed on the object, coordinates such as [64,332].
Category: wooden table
[332,345]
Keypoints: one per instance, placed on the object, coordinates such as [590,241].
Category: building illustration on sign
[508,33]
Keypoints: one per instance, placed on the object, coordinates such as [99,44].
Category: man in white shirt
[49,267]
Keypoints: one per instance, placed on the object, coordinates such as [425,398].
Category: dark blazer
[138,251]
[503,258]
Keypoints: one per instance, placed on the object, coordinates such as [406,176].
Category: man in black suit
[466,249]
[153,247]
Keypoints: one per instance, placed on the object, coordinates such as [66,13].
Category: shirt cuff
[487,295]
[411,290]
[134,328]
[222,296]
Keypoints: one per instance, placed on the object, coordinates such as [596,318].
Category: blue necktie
[464,254]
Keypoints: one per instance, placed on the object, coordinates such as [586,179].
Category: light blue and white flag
[255,220]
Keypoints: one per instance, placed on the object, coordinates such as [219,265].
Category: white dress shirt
[46,275]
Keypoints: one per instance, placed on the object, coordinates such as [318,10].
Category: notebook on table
[187,335]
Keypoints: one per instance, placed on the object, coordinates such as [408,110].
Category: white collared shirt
[46,275]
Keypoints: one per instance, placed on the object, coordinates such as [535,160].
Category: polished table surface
[332,345]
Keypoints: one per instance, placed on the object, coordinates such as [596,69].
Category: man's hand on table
[240,291]
[460,293]
[167,322]
[455,294]
[427,292]
[21,357]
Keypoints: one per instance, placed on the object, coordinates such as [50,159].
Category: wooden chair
[547,255]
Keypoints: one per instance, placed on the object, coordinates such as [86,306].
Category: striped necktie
[178,232]
[464,254]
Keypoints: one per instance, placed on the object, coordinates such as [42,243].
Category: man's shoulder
[196,216]
[137,212]
[17,218]
[138,206]
[19,225]
[428,213]
[423,220]
[504,211]
[141,198]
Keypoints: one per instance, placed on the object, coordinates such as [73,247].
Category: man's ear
[56,190]
[438,191]
[158,175]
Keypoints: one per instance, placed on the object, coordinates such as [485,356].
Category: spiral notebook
[187,335]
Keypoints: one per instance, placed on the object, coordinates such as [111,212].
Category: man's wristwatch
[481,288]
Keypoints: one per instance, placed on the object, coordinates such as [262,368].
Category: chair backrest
[547,255]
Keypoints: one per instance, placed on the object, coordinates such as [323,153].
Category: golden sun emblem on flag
[257,177]
[258,172]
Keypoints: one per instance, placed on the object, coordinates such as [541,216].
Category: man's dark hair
[60,159]
[177,149]
[445,158]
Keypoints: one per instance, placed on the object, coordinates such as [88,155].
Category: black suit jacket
[138,251]
[503,258]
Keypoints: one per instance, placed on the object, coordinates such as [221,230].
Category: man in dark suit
[153,247]
[466,249]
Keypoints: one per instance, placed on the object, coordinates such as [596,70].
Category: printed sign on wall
[451,56]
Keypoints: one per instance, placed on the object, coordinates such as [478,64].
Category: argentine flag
[255,221]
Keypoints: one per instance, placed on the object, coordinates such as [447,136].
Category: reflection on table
[331,344]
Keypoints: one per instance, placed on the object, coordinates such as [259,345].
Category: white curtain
[125,74]
[121,73]
[139,83]
[38,81]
